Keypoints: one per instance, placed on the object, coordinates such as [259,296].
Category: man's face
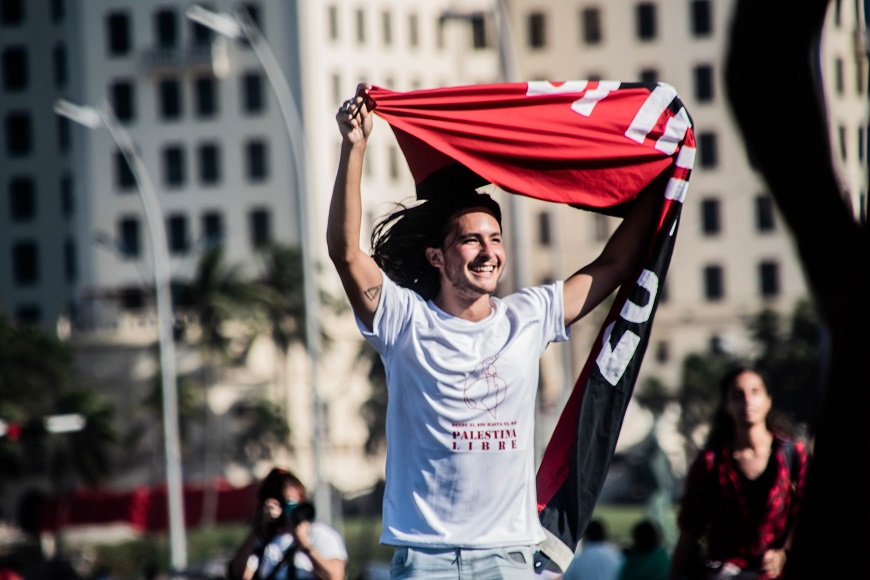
[471,259]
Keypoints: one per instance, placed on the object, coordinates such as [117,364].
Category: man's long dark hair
[400,239]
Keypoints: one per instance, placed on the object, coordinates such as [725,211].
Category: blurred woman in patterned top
[743,491]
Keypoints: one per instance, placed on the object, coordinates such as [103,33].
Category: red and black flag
[590,144]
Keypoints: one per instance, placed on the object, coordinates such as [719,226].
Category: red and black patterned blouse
[719,506]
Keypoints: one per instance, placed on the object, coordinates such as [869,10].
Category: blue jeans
[513,563]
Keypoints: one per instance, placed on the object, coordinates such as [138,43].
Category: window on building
[58,10]
[716,345]
[768,279]
[256,155]
[70,263]
[841,138]
[205,93]
[176,232]
[360,26]
[708,151]
[602,227]
[713,283]
[764,214]
[253,95]
[387,27]
[839,80]
[128,236]
[28,315]
[649,75]
[332,21]
[59,66]
[393,156]
[702,17]
[710,219]
[261,227]
[413,31]
[202,36]
[22,199]
[118,34]
[25,263]
[132,298]
[15,68]
[122,94]
[11,12]
[537,30]
[663,351]
[646,21]
[209,163]
[174,175]
[19,134]
[478,32]
[545,229]
[63,134]
[125,180]
[166,28]
[253,10]
[337,94]
[213,228]
[703,75]
[67,199]
[590,25]
[170,99]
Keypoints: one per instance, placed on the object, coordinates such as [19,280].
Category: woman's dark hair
[722,428]
[400,239]
[274,483]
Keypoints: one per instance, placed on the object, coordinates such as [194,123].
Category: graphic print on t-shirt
[484,389]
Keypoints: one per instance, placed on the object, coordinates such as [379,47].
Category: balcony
[201,58]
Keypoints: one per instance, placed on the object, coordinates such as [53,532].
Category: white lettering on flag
[585,104]
[675,131]
[634,312]
[648,115]
[612,362]
[538,88]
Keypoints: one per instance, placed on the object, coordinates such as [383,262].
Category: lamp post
[93,118]
[241,25]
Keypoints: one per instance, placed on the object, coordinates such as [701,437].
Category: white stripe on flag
[676,189]
[539,88]
[686,157]
[585,104]
[648,115]
[675,130]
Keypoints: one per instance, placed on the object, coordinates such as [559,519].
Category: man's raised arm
[360,275]
[620,258]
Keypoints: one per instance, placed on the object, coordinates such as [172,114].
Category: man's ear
[435,257]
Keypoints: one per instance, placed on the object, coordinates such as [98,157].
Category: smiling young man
[462,365]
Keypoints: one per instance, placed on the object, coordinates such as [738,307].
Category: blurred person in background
[646,559]
[744,489]
[597,559]
[285,541]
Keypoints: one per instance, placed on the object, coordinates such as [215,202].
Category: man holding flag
[462,365]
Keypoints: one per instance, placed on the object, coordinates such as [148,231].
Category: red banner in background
[145,508]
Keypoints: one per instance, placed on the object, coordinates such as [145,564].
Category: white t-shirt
[324,539]
[460,419]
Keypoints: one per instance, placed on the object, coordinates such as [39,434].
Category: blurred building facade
[73,247]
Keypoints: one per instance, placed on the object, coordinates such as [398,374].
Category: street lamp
[240,25]
[93,118]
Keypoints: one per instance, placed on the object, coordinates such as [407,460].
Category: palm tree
[284,305]
[220,294]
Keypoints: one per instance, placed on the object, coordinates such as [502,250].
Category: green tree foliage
[37,380]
